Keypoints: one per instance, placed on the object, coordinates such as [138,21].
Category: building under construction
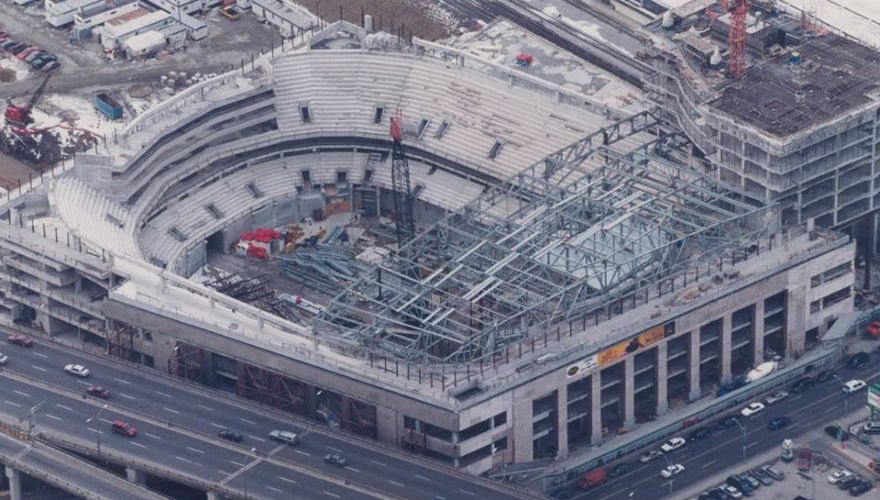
[564,270]
[797,127]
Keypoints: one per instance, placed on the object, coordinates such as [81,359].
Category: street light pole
[98,433]
[845,397]
[244,477]
[669,463]
[745,435]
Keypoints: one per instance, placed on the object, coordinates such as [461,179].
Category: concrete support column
[14,478]
[629,391]
[795,320]
[386,425]
[662,395]
[562,422]
[213,495]
[135,476]
[758,337]
[725,351]
[596,407]
[310,400]
[694,391]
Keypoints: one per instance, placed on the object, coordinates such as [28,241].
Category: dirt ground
[421,18]
[12,171]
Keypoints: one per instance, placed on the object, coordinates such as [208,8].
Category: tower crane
[400,183]
[738,37]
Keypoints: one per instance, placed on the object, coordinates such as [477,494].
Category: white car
[854,385]
[3,358]
[752,409]
[776,397]
[733,492]
[839,476]
[78,370]
[673,444]
[672,470]
[649,455]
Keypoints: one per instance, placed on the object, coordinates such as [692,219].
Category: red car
[98,392]
[124,428]
[22,340]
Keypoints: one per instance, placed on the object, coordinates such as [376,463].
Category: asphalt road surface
[722,453]
[199,412]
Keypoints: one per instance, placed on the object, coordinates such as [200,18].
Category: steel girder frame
[539,249]
[120,341]
[271,388]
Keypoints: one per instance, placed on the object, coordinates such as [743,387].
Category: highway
[152,402]
[721,453]
[65,471]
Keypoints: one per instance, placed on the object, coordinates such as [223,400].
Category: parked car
[124,428]
[837,432]
[620,470]
[753,481]
[871,428]
[860,488]
[672,445]
[826,376]
[773,472]
[284,437]
[725,423]
[649,455]
[78,370]
[672,470]
[98,392]
[836,476]
[20,340]
[700,434]
[731,491]
[778,423]
[775,397]
[762,476]
[854,385]
[848,482]
[857,360]
[231,435]
[335,459]
[752,409]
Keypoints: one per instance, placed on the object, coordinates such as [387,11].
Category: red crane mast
[738,38]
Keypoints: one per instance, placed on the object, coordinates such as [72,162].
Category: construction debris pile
[255,291]
[326,268]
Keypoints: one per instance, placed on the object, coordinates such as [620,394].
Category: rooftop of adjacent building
[823,79]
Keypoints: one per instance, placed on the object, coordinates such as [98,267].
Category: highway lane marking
[53,417]
[707,464]
[83,382]
[256,438]
[395,483]
[126,395]
[137,444]
[35,367]
[274,489]
[95,430]
[334,449]
[466,492]
[183,459]
[334,495]
[41,355]
[423,478]
[378,463]
[172,411]
[195,450]
[352,468]
[106,421]
[247,421]
[306,454]
[153,436]
[21,393]
[163,394]
[121,381]
[205,407]
[830,409]
[223,472]
[63,407]
[11,403]
[291,481]
[217,425]
[233,462]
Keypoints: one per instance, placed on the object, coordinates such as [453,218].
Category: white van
[284,436]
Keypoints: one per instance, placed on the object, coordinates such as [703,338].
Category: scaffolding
[272,389]
[554,243]
[186,361]
[120,341]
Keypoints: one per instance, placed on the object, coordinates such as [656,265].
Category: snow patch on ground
[19,67]
[858,18]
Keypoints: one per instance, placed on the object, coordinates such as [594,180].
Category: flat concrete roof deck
[835,76]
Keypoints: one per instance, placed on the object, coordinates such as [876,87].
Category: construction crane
[19,115]
[738,37]
[400,183]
